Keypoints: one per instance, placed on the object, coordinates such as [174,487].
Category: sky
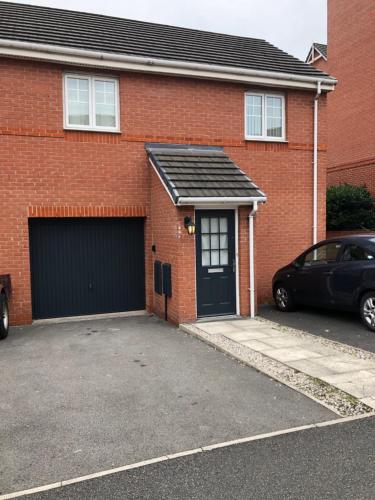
[291,25]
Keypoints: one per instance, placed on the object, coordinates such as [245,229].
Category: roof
[190,172]
[321,48]
[94,32]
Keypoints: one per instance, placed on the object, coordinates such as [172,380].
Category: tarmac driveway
[341,326]
[77,398]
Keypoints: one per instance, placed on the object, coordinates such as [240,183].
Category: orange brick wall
[351,45]
[51,172]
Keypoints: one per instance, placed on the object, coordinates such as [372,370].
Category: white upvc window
[91,103]
[264,116]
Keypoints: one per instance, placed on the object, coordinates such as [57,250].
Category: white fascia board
[106,60]
[235,201]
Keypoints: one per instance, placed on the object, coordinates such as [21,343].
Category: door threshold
[224,317]
[69,319]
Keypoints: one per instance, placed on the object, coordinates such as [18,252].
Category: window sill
[265,139]
[88,129]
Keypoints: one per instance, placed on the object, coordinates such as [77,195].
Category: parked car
[5,288]
[337,273]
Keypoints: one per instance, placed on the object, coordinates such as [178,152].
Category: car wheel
[367,310]
[283,298]
[4,317]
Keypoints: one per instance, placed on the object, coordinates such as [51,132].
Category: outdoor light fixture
[190,225]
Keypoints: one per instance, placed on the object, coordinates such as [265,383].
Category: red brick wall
[73,173]
[351,45]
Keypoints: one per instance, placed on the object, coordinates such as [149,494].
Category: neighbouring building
[351,117]
[119,138]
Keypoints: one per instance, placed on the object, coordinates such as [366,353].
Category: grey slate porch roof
[203,173]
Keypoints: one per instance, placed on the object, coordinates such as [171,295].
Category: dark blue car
[337,273]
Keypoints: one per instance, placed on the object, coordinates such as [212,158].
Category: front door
[216,262]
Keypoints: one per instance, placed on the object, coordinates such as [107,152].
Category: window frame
[92,112]
[264,136]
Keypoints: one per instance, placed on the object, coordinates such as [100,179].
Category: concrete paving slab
[342,363]
[290,354]
[257,345]
[284,341]
[310,367]
[240,336]
[349,377]
[359,389]
[369,402]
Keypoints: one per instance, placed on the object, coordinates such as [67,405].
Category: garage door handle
[90,286]
[328,273]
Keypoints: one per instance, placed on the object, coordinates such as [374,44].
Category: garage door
[86,266]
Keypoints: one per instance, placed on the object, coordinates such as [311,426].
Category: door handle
[328,273]
[234,266]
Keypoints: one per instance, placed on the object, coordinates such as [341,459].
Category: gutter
[99,59]
[233,200]
[315,164]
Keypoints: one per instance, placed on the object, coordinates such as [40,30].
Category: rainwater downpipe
[251,258]
[315,164]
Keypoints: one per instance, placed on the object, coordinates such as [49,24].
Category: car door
[348,276]
[313,276]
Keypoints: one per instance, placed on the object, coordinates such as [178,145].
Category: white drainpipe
[251,258]
[315,162]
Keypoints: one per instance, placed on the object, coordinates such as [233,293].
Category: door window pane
[78,101]
[324,254]
[205,241]
[214,225]
[223,241]
[205,225]
[254,108]
[274,116]
[223,224]
[205,258]
[215,258]
[223,257]
[105,103]
[215,241]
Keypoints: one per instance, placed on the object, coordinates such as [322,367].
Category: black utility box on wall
[167,280]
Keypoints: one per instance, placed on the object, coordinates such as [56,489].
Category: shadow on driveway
[340,326]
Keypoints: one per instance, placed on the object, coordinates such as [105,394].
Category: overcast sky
[292,25]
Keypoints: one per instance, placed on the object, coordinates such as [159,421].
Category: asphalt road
[335,463]
[341,326]
[77,398]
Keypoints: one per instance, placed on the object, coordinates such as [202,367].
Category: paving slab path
[349,369]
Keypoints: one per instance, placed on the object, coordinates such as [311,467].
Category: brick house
[351,118]
[120,138]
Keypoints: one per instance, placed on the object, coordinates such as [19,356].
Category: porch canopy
[202,175]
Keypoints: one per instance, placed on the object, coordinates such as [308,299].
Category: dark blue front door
[216,262]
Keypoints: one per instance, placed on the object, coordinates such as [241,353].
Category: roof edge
[108,60]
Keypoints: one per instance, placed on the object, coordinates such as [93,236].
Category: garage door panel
[86,266]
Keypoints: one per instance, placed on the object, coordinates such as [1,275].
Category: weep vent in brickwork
[192,172]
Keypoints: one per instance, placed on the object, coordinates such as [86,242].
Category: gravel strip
[334,399]
[338,346]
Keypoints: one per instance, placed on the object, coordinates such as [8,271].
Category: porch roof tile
[201,172]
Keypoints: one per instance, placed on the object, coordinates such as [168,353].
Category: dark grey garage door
[86,266]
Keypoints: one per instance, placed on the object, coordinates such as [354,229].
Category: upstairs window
[91,103]
[264,116]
